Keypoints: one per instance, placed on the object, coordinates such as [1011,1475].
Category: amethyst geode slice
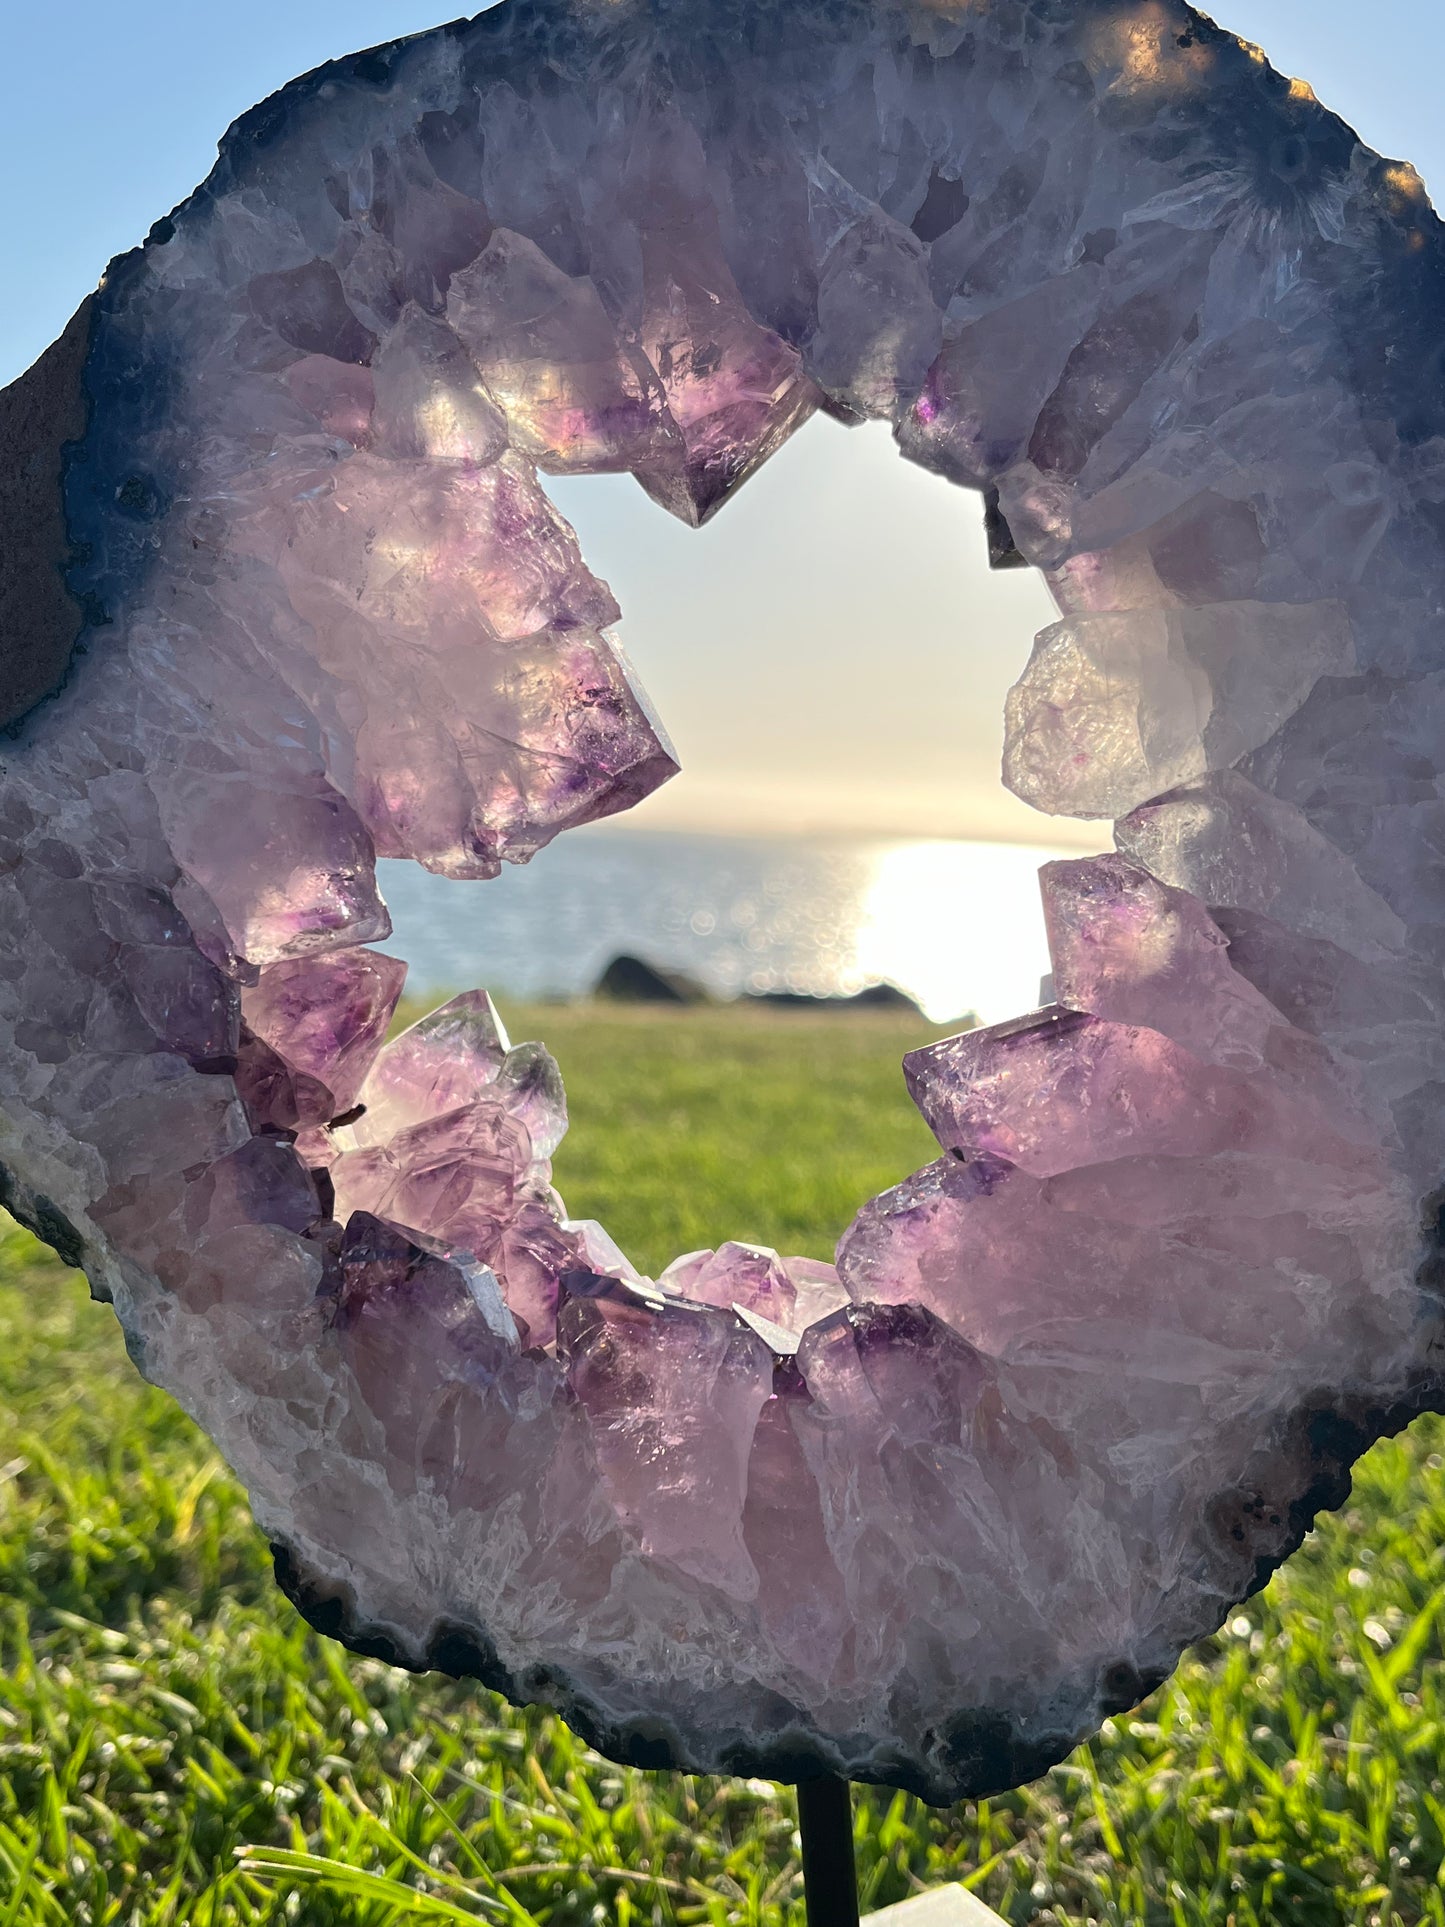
[278,562]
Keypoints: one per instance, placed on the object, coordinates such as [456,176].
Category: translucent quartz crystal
[309,1032]
[1077,1386]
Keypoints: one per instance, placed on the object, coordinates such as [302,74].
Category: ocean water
[956,925]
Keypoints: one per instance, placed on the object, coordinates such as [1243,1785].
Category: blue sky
[839,587]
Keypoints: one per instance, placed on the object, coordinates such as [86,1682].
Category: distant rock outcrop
[871,997]
[632,980]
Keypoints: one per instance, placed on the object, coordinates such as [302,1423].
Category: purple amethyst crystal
[310,1030]
[281,592]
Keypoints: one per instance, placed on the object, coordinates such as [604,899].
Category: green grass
[176,1747]
[691,1126]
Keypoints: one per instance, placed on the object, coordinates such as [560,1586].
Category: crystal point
[312,1029]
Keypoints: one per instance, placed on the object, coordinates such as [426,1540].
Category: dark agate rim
[44,415]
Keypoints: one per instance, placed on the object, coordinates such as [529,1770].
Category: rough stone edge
[42,414]
[45,1220]
[982,1754]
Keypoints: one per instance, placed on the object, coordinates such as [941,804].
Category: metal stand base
[830,1874]
[830,1877]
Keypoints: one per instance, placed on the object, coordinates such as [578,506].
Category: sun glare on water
[959,926]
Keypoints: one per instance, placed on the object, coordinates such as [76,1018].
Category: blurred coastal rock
[632,980]
[872,997]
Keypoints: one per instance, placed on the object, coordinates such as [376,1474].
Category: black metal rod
[830,1874]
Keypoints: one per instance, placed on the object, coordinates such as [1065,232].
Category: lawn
[177,1747]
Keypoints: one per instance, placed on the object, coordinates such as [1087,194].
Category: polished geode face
[1073,1389]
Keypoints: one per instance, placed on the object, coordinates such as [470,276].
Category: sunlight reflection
[959,926]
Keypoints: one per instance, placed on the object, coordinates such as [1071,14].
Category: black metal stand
[830,1877]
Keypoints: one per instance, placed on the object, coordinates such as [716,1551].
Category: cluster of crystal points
[1074,1388]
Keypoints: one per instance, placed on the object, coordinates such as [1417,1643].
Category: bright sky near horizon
[831,652]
